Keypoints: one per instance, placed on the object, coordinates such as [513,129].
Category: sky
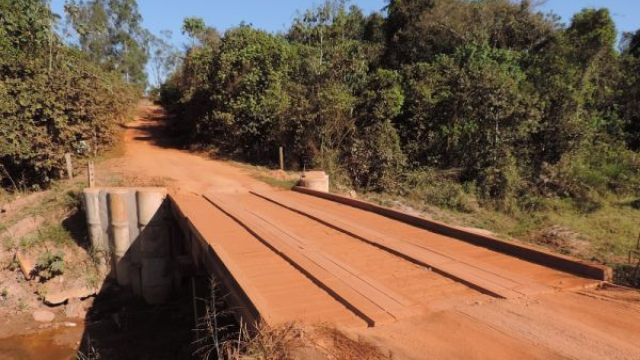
[277,15]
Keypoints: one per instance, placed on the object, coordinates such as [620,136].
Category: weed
[344,348]
[92,279]
[267,343]
[7,243]
[54,234]
[218,341]
[436,189]
[22,305]
[41,291]
[57,235]
[211,334]
[50,264]
[91,353]
[29,242]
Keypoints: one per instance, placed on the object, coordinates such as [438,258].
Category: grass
[604,234]
[52,235]
[278,183]
[7,243]
[277,178]
[342,347]
[22,305]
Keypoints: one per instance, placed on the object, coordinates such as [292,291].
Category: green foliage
[468,111]
[419,30]
[592,32]
[470,103]
[193,26]
[110,32]
[53,100]
[376,158]
[50,264]
[440,189]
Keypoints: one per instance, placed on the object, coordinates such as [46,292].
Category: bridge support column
[120,234]
[99,243]
[154,245]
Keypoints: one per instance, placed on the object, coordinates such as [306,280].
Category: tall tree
[111,32]
[164,57]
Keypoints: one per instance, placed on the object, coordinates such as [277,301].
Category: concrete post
[316,180]
[120,233]
[91,175]
[155,247]
[149,201]
[67,158]
[98,242]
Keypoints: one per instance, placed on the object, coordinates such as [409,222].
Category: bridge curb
[538,256]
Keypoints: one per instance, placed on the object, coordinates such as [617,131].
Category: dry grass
[121,180]
[219,338]
[336,345]
[266,343]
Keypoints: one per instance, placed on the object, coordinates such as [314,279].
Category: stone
[43,316]
[26,266]
[62,296]
[74,309]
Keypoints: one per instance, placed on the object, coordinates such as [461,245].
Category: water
[45,345]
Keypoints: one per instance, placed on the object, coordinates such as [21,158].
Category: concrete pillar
[98,242]
[149,201]
[154,245]
[316,180]
[120,233]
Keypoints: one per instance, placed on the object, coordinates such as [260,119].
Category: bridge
[404,281]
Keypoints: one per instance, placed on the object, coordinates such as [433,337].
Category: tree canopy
[499,96]
[54,98]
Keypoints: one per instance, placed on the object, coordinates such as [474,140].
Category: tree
[110,32]
[419,30]
[466,111]
[47,108]
[375,157]
[165,58]
[247,91]
[193,26]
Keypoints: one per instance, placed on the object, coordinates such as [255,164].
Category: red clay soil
[412,292]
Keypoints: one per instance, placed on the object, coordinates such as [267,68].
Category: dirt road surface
[148,153]
[301,269]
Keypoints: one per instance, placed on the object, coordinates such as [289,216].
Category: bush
[439,188]
[53,100]
[50,264]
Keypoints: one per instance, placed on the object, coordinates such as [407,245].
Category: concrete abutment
[132,230]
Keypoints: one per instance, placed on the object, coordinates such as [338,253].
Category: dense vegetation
[57,98]
[494,96]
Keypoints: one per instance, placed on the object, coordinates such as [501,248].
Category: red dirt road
[372,276]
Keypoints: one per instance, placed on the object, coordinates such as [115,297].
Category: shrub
[50,264]
[53,99]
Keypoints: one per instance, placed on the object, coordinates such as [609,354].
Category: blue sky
[276,15]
